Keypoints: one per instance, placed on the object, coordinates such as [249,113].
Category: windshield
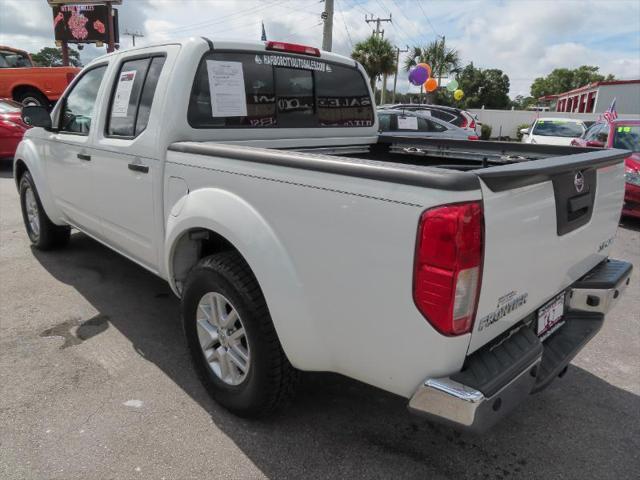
[12,59]
[558,128]
[9,106]
[627,138]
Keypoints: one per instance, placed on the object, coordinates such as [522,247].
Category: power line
[346,29]
[220,20]
[428,21]
[133,35]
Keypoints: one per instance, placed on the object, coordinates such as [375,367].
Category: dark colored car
[455,116]
[12,127]
[624,134]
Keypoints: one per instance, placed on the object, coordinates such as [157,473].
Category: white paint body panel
[524,254]
[333,254]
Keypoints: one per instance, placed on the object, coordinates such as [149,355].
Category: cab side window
[603,134]
[384,121]
[132,96]
[79,104]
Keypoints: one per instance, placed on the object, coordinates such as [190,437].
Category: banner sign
[292,62]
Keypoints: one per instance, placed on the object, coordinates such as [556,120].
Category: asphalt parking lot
[96,384]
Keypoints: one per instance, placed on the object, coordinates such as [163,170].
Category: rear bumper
[500,376]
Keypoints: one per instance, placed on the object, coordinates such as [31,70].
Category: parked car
[418,124]
[28,84]
[624,134]
[553,131]
[457,117]
[12,127]
[252,178]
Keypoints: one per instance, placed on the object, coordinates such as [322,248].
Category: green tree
[520,102]
[564,79]
[484,87]
[377,56]
[52,57]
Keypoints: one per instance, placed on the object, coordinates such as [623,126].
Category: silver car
[403,123]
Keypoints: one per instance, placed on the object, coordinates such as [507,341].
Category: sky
[525,39]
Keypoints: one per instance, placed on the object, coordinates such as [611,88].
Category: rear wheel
[43,233]
[232,340]
[32,97]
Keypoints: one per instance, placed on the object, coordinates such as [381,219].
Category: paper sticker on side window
[123,93]
[407,123]
[226,87]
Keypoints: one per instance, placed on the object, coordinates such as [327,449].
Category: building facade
[597,97]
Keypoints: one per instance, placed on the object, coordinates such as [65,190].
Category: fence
[504,123]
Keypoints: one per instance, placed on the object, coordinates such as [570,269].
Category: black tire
[49,235]
[270,380]
[32,97]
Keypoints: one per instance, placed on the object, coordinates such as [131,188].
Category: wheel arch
[25,87]
[212,220]
[27,160]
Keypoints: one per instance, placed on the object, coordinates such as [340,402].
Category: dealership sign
[83,23]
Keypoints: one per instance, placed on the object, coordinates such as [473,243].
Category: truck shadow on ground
[338,427]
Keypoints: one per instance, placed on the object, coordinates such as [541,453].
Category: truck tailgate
[547,223]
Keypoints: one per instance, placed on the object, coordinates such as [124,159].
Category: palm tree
[377,56]
[442,60]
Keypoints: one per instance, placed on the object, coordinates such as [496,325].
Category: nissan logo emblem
[578,182]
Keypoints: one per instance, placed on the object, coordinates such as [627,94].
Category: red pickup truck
[623,134]
[30,85]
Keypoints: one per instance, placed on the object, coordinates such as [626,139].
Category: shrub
[485,132]
[520,127]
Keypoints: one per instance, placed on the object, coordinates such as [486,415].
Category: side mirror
[524,131]
[36,116]
[595,143]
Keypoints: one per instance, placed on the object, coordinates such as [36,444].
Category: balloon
[458,94]
[427,68]
[452,86]
[430,85]
[418,75]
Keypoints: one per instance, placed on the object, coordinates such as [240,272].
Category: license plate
[550,315]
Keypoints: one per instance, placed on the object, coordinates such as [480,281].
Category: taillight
[448,266]
[473,137]
[472,124]
[464,122]
[293,48]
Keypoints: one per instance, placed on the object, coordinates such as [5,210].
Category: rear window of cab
[266,90]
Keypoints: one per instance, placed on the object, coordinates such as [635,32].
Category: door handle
[136,167]
[83,156]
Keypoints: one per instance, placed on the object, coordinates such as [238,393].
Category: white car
[553,131]
[251,177]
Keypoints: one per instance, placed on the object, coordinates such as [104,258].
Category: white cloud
[525,39]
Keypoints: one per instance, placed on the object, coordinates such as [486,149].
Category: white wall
[627,98]
[510,119]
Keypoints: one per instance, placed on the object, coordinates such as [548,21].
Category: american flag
[611,114]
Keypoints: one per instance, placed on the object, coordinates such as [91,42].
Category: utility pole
[327,32]
[377,21]
[376,32]
[133,35]
[440,70]
[395,78]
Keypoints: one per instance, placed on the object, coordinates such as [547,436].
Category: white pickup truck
[251,177]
